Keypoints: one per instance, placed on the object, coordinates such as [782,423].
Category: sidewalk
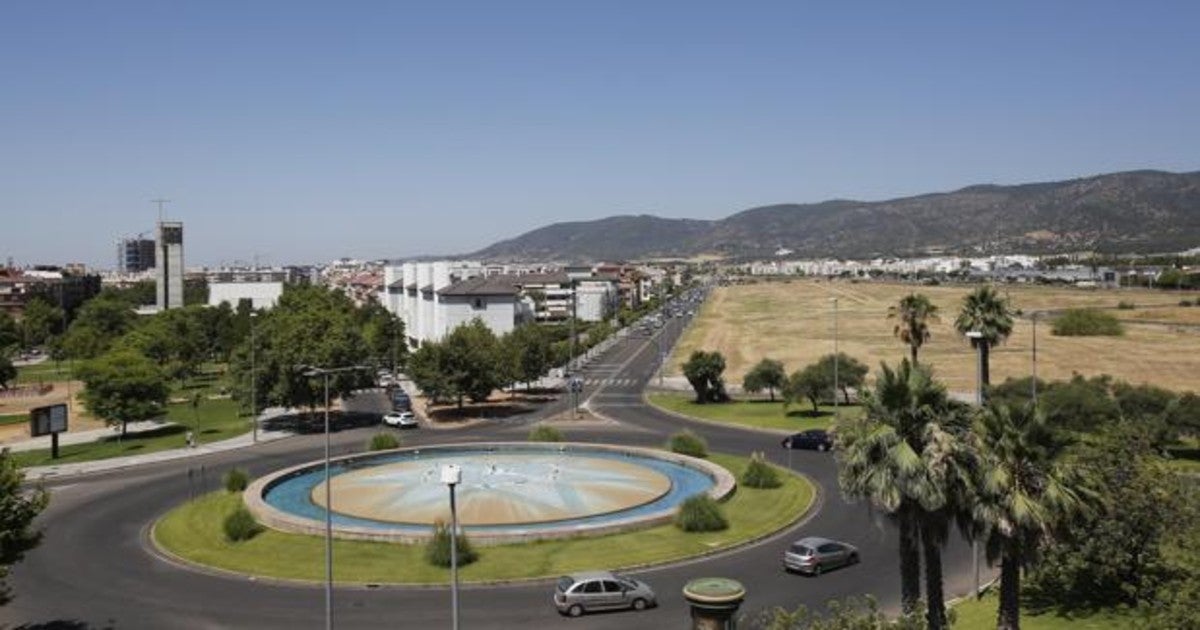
[60,471]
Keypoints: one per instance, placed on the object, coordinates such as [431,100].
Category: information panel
[47,420]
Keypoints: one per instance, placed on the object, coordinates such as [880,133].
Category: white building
[261,295]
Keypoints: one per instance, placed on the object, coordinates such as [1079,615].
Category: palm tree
[915,313]
[986,312]
[1025,492]
[885,458]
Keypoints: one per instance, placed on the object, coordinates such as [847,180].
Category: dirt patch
[794,322]
[79,419]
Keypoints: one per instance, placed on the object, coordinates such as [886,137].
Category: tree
[901,455]
[850,372]
[384,335]
[309,326]
[703,371]
[1115,555]
[986,312]
[8,371]
[531,356]
[39,322]
[124,386]
[10,333]
[425,368]
[768,375]
[813,383]
[98,324]
[174,339]
[914,313]
[1026,493]
[18,508]
[471,359]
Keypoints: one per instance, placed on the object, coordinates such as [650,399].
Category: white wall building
[262,295]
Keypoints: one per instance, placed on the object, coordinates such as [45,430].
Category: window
[592,587]
[829,548]
[478,304]
[611,587]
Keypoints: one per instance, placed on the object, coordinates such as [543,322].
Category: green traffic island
[211,420]
[195,533]
[755,414]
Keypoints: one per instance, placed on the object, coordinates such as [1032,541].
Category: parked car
[812,439]
[578,593]
[401,420]
[813,555]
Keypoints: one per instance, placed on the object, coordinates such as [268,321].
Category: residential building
[135,255]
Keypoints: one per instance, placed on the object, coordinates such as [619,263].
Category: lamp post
[452,476]
[253,380]
[1033,381]
[835,358]
[976,338]
[310,371]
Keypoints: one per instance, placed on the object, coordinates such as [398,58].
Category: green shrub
[236,480]
[700,513]
[688,443]
[1126,305]
[383,441]
[240,525]
[760,474]
[437,552]
[545,433]
[1086,322]
[1186,302]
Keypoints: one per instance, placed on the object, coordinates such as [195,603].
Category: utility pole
[253,380]
[835,359]
[1033,381]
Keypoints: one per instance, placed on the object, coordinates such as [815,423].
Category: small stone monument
[715,602]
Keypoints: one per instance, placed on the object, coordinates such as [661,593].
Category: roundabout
[510,491]
[192,534]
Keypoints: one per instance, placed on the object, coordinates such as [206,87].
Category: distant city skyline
[297,133]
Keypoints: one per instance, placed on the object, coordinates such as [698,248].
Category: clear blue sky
[300,132]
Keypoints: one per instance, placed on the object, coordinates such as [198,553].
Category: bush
[437,552]
[688,443]
[236,480]
[383,441]
[240,525]
[1126,305]
[1086,322]
[545,433]
[700,513]
[1186,302]
[760,474]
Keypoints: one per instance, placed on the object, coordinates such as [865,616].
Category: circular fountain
[509,491]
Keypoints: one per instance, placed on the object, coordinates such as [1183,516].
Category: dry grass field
[792,321]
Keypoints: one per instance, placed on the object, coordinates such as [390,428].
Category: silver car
[813,555]
[578,593]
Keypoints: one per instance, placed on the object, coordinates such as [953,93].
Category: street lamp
[1033,381]
[253,380]
[452,476]
[976,338]
[310,371]
[835,357]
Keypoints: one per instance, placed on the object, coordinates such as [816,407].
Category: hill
[1135,211]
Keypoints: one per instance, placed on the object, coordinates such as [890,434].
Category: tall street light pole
[452,476]
[976,338]
[311,371]
[1033,381]
[253,380]
[835,358]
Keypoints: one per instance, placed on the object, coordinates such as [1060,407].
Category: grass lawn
[758,414]
[193,531]
[16,418]
[972,614]
[217,420]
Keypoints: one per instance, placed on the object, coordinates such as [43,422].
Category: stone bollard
[714,602]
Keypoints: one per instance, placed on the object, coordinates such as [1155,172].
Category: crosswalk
[614,382]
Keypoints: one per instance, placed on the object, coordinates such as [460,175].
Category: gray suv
[578,593]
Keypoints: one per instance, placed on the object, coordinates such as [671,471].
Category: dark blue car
[813,439]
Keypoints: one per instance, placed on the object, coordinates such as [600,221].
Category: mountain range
[1127,212]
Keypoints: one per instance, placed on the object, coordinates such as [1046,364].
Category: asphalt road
[95,568]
